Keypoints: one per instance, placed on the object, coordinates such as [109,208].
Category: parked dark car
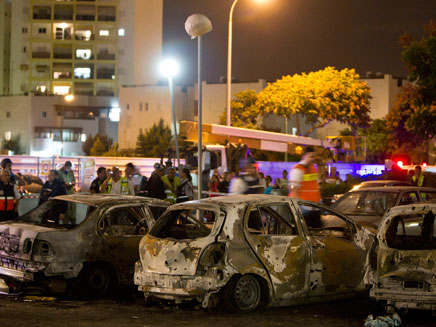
[368,205]
[87,242]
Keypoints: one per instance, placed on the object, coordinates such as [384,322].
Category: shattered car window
[322,222]
[185,224]
[412,232]
[366,203]
[429,196]
[58,213]
[270,220]
[123,221]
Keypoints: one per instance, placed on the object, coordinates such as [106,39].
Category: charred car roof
[99,199]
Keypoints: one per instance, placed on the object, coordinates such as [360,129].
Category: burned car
[402,262]
[368,205]
[81,241]
[250,251]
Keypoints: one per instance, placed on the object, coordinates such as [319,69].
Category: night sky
[283,37]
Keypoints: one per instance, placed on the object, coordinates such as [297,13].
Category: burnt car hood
[172,257]
[17,239]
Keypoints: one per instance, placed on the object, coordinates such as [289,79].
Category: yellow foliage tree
[244,111]
[320,97]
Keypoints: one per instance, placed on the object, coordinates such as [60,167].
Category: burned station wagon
[88,242]
[402,262]
[252,250]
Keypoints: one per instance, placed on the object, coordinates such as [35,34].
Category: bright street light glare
[261,1]
[169,68]
[69,97]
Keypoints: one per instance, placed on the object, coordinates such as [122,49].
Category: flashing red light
[424,164]
[400,164]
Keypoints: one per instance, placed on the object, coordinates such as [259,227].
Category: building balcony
[106,18]
[62,56]
[85,17]
[106,56]
[45,16]
[105,74]
[63,16]
[41,54]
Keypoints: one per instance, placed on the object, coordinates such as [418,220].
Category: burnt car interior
[412,232]
[185,224]
[123,221]
[325,223]
[268,220]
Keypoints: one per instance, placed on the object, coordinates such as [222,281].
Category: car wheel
[95,280]
[244,293]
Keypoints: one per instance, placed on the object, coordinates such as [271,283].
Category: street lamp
[229,60]
[196,26]
[169,68]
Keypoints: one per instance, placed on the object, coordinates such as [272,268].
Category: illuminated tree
[320,97]
[244,111]
[154,142]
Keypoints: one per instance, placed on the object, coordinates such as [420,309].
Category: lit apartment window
[41,88]
[104,33]
[61,90]
[8,135]
[82,72]
[83,137]
[84,54]
[121,32]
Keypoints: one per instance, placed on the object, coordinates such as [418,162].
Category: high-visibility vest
[309,189]
[7,197]
[420,180]
[171,195]
[124,186]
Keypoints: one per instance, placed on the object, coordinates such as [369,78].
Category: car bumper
[179,287]
[409,299]
[19,269]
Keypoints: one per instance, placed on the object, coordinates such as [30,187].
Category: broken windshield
[366,203]
[58,213]
[185,224]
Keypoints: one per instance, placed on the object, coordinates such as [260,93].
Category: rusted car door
[121,228]
[274,235]
[337,262]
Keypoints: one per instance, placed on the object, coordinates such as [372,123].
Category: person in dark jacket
[155,187]
[96,183]
[223,186]
[53,187]
[6,163]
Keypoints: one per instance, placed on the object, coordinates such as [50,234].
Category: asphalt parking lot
[130,310]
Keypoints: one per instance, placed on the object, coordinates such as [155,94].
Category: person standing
[171,182]
[304,178]
[185,191]
[116,184]
[66,175]
[213,186]
[155,187]
[248,181]
[53,187]
[284,182]
[6,163]
[418,178]
[223,186]
[133,174]
[9,197]
[96,183]
[269,186]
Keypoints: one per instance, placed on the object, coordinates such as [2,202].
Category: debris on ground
[30,298]
[383,321]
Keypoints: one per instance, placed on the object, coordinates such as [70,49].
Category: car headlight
[42,251]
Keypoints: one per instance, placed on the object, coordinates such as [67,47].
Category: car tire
[95,280]
[244,293]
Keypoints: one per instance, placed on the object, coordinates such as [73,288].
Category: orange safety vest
[309,189]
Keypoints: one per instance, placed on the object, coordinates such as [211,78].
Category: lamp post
[229,60]
[67,98]
[170,68]
[196,26]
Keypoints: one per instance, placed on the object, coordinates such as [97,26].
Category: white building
[141,106]
[85,48]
